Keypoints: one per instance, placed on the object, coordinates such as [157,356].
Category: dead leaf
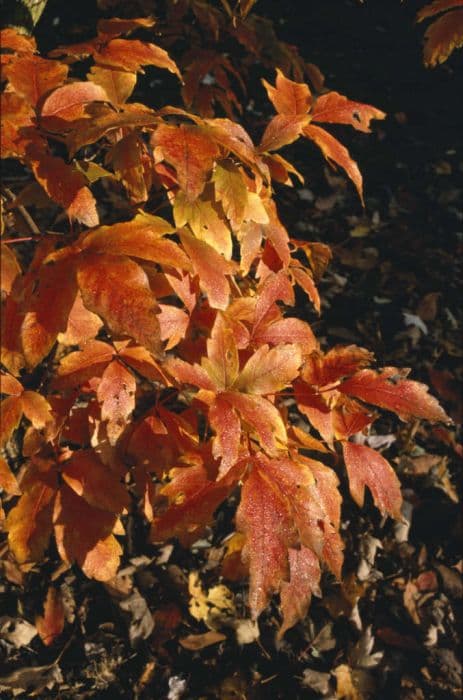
[194,642]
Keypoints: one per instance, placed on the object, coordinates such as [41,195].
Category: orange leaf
[82,324]
[32,76]
[341,361]
[89,478]
[84,534]
[131,54]
[335,152]
[19,43]
[443,36]
[37,409]
[296,594]
[230,191]
[185,373]
[142,237]
[8,481]
[10,415]
[262,417]
[227,427]
[270,370]
[79,367]
[117,84]
[174,323]
[192,154]
[283,130]
[51,623]
[206,221]
[222,363]
[10,268]
[193,504]
[116,394]
[49,311]
[211,268]
[334,108]
[264,519]
[29,523]
[65,186]
[9,385]
[366,467]
[115,26]
[311,490]
[117,289]
[287,96]
[435,7]
[389,389]
[286,330]
[68,103]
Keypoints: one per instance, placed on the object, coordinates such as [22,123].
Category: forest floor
[392,628]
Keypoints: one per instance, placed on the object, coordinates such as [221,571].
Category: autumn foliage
[158,364]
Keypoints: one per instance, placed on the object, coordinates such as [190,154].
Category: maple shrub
[153,364]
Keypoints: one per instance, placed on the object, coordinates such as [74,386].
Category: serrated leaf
[391,390]
[132,54]
[263,517]
[51,624]
[335,152]
[295,595]
[270,370]
[443,36]
[288,97]
[82,325]
[262,417]
[230,191]
[78,367]
[283,130]
[211,268]
[32,76]
[206,222]
[227,427]
[366,467]
[334,108]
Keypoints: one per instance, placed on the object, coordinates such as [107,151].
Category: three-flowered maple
[151,362]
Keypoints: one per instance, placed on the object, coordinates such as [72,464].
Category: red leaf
[334,108]
[335,152]
[296,594]
[116,394]
[264,519]
[84,534]
[287,96]
[192,154]
[115,26]
[389,389]
[117,289]
[19,43]
[366,467]
[174,323]
[51,623]
[222,363]
[189,374]
[89,478]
